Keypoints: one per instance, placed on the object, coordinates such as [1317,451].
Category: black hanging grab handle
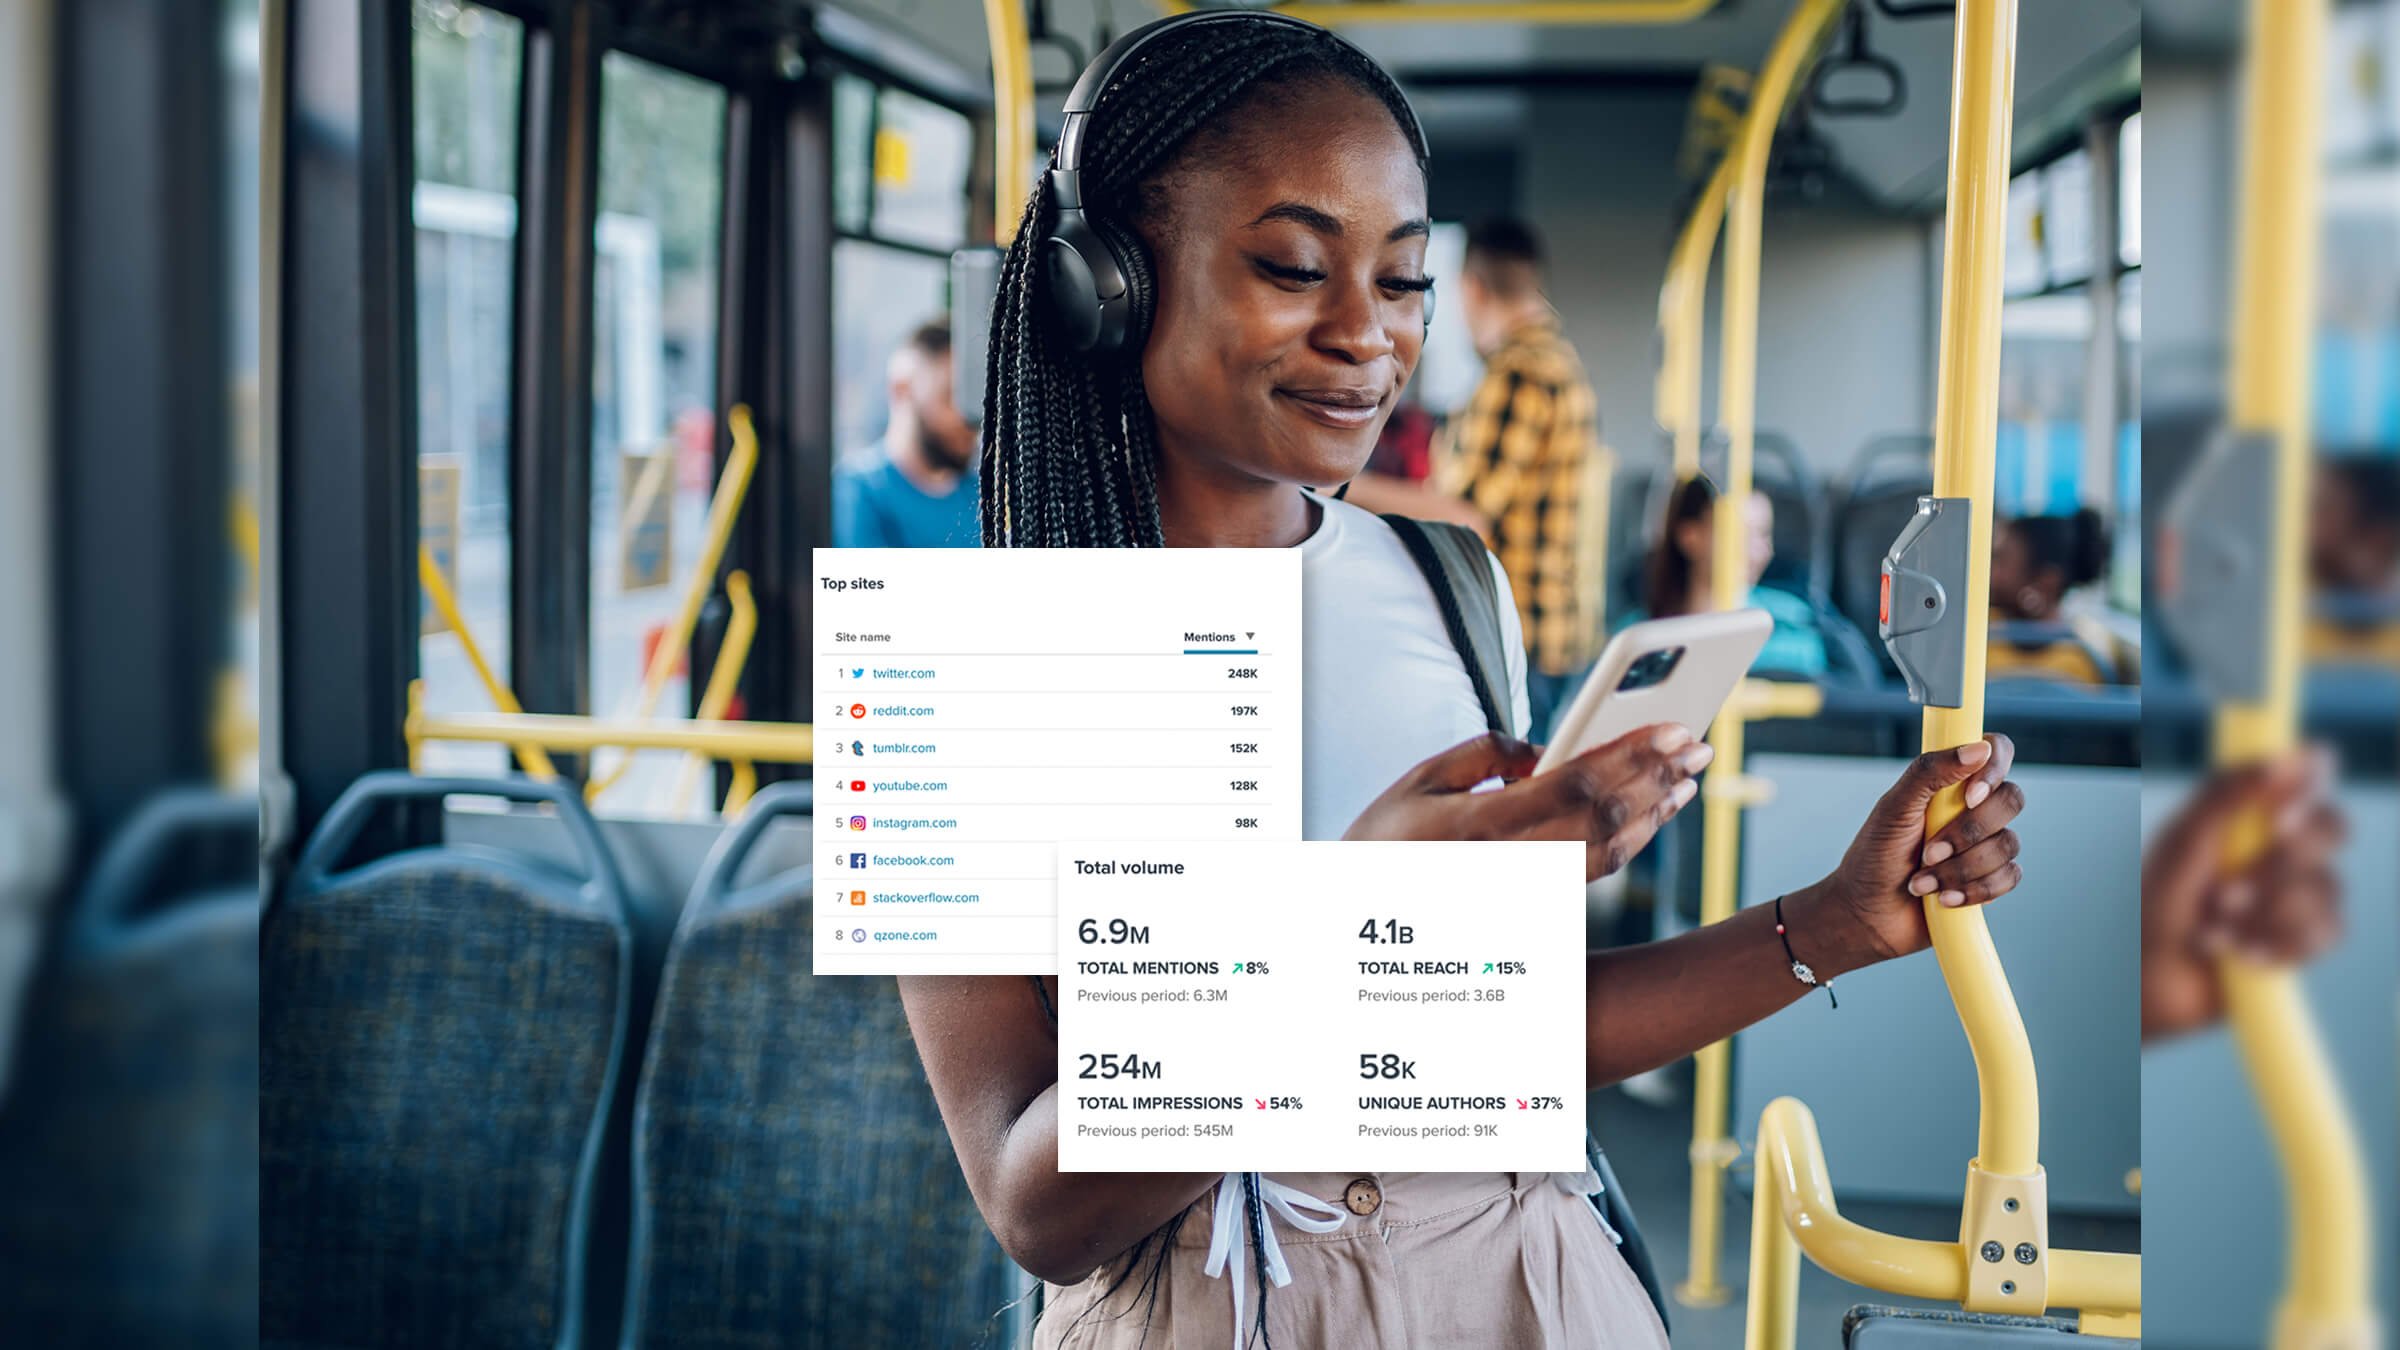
[1855,56]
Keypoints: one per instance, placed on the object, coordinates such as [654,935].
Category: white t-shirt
[1383,689]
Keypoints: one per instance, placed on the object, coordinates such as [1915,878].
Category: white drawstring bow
[1281,1201]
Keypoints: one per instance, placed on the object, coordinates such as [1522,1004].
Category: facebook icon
[858,860]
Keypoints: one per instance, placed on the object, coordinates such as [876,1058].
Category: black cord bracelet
[1799,967]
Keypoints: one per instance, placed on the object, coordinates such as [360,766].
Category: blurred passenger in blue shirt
[915,488]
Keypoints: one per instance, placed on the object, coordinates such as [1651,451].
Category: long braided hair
[1072,459]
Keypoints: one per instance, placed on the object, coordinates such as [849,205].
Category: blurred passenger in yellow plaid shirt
[1519,451]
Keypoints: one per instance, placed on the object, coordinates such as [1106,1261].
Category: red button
[1886,615]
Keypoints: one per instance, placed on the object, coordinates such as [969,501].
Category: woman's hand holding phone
[1612,798]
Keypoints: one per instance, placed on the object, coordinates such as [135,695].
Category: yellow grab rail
[2002,1261]
[1793,1210]
[1581,12]
[1744,177]
[732,655]
[723,509]
[437,589]
[2329,1285]
[1966,416]
[766,742]
[1012,115]
[1682,317]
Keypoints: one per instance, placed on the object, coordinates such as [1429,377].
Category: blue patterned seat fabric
[129,1130]
[441,1039]
[794,1186]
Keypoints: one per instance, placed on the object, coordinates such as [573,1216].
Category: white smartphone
[1663,670]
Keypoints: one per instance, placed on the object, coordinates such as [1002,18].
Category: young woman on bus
[2036,561]
[1676,578]
[1271,182]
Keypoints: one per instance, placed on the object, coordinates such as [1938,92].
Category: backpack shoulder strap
[1459,569]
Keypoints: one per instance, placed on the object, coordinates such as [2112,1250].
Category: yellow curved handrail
[2329,1284]
[1682,317]
[437,589]
[1735,193]
[723,509]
[1793,1211]
[2002,1261]
[1580,12]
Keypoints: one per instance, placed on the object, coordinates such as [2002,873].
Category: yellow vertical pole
[2328,1297]
[1746,179]
[1012,115]
[1983,78]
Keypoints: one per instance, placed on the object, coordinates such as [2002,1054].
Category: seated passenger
[1677,580]
[916,488]
[2036,561]
[2354,561]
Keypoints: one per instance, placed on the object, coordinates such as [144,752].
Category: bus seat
[1850,657]
[128,1149]
[787,1145]
[440,1044]
[1784,478]
[1864,528]
[1878,496]
[1632,525]
[1874,1327]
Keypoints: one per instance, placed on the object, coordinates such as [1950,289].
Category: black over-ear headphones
[1095,273]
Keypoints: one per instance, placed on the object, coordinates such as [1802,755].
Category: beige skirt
[1485,1259]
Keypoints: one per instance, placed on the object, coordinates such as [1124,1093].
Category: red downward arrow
[1261,1105]
[1521,1105]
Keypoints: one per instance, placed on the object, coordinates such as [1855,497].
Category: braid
[1072,459]
[1258,1258]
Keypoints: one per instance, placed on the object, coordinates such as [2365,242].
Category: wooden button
[1363,1197]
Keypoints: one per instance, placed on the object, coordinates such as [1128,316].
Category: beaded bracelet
[1799,967]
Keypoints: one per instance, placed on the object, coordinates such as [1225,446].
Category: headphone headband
[1085,96]
[1095,276]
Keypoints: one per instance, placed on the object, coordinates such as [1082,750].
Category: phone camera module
[1651,668]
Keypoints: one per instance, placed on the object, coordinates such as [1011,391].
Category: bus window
[654,368]
[922,152]
[900,178]
[879,294]
[236,711]
[468,64]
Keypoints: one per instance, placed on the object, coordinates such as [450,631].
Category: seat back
[1872,1327]
[787,1146]
[1869,518]
[1784,478]
[441,1039]
[128,1136]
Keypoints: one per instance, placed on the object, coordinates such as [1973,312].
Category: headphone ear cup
[1428,311]
[1140,302]
[1074,267]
